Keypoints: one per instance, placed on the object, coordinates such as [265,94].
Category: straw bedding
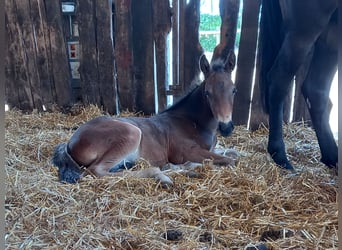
[253,204]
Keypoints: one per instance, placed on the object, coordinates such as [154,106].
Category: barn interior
[70,61]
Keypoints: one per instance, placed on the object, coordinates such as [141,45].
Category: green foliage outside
[209,23]
[213,23]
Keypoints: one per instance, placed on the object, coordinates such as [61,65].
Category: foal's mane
[218,65]
[183,99]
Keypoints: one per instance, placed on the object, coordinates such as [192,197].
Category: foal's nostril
[226,128]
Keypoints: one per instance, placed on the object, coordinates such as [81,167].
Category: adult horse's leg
[316,88]
[290,57]
[303,30]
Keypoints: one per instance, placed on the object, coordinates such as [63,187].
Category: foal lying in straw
[183,133]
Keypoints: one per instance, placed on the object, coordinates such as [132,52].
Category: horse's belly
[155,155]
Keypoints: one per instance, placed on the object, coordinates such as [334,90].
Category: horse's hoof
[164,180]
[232,153]
[192,174]
[288,166]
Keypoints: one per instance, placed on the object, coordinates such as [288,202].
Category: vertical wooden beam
[287,109]
[28,44]
[175,42]
[182,38]
[229,10]
[143,55]
[246,61]
[258,115]
[58,53]
[14,61]
[161,28]
[88,69]
[300,110]
[123,53]
[39,25]
[192,47]
[105,57]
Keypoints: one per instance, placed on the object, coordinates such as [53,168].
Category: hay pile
[224,209]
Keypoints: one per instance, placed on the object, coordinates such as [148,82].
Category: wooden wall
[122,54]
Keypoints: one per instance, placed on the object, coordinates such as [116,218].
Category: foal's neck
[196,108]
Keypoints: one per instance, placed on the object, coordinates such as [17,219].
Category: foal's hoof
[192,174]
[232,153]
[164,180]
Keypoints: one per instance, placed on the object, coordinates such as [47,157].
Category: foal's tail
[270,40]
[61,157]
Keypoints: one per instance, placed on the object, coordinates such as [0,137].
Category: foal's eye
[206,93]
[234,91]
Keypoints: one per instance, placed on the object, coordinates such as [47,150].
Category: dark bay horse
[185,132]
[292,33]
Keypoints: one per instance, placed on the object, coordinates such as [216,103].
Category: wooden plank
[288,104]
[300,110]
[161,28]
[58,54]
[105,56]
[123,53]
[229,10]
[29,53]
[11,57]
[192,47]
[143,55]
[175,42]
[258,116]
[39,25]
[17,57]
[89,74]
[246,61]
[181,48]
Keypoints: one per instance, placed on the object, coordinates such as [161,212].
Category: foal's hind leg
[316,88]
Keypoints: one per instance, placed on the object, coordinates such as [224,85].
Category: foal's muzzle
[226,128]
[69,175]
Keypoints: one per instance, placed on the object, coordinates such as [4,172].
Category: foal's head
[220,89]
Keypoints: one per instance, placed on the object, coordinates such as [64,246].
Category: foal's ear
[204,66]
[229,64]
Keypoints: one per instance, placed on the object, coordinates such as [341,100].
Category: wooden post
[177,89]
[123,54]
[88,69]
[161,28]
[15,74]
[229,10]
[300,110]
[175,42]
[181,47]
[143,56]
[192,47]
[246,61]
[26,37]
[58,54]
[105,57]
[288,104]
[39,24]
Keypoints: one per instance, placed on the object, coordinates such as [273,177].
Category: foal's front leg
[151,172]
[199,155]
